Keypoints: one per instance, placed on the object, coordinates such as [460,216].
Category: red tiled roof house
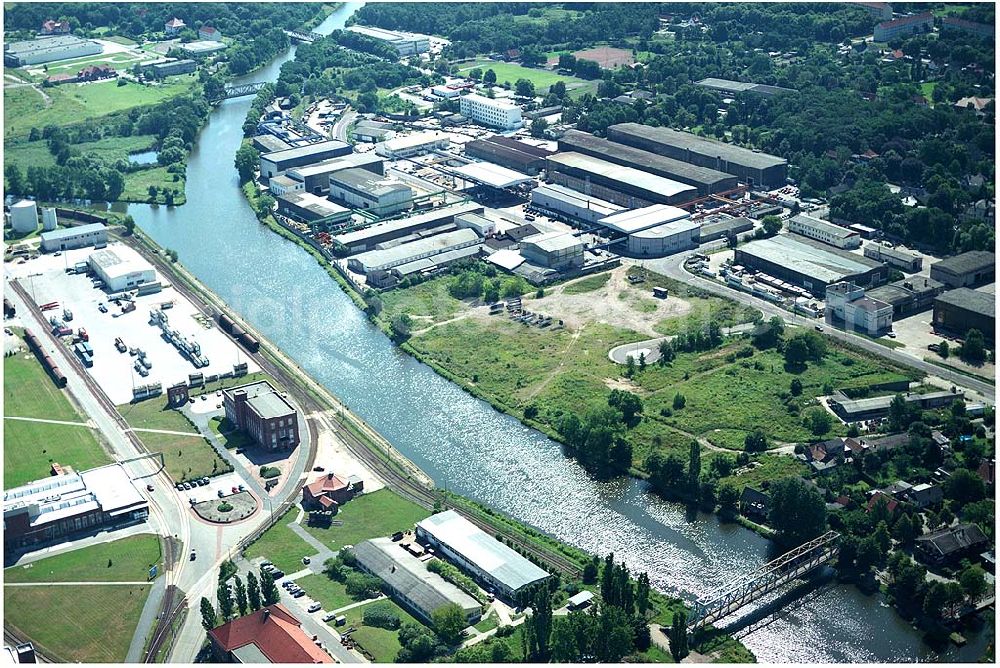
[269,635]
[329,491]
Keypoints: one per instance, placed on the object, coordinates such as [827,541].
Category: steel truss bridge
[766,579]
[308,37]
[239,90]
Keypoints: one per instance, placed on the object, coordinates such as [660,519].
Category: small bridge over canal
[307,37]
[771,576]
[239,90]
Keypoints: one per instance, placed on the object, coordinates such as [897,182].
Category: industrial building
[560,251]
[810,264]
[91,234]
[408,582]
[315,178]
[509,153]
[909,296]
[47,50]
[483,226]
[283,185]
[894,257]
[729,87]
[847,304]
[637,220]
[308,208]
[263,414]
[405,43]
[958,311]
[168,68]
[663,240]
[493,112]
[821,230]
[722,227]
[278,162]
[362,189]
[904,27]
[71,503]
[387,258]
[575,205]
[373,131]
[373,235]
[483,556]
[268,143]
[752,167]
[706,180]
[410,145]
[24,216]
[121,268]
[492,176]
[967,270]
[874,408]
[620,185]
[203,47]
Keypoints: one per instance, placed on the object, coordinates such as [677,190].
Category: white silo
[49,220]
[24,216]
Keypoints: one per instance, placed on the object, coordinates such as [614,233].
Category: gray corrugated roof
[302,151]
[810,258]
[422,219]
[970,300]
[967,262]
[69,232]
[367,182]
[483,550]
[408,576]
[446,257]
[415,250]
[700,145]
[627,176]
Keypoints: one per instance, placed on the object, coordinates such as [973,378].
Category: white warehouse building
[362,189]
[121,268]
[821,230]
[405,43]
[847,304]
[24,216]
[410,145]
[91,234]
[568,202]
[496,113]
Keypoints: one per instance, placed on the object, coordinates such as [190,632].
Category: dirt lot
[607,57]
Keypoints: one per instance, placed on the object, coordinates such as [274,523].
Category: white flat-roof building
[24,216]
[362,189]
[446,91]
[496,113]
[494,176]
[278,162]
[480,554]
[47,50]
[553,250]
[405,43]
[821,230]
[70,503]
[667,239]
[203,47]
[410,145]
[846,303]
[568,202]
[637,220]
[121,268]
[481,224]
[91,234]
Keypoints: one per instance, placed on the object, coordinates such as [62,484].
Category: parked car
[149,488]
[221,494]
[933,347]
[235,489]
[329,617]
[194,555]
[315,607]
[318,468]
[299,594]
[102,308]
[891,335]
[819,328]
[305,560]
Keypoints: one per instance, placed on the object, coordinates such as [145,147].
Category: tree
[768,335]
[400,326]
[642,594]
[694,464]
[246,161]
[796,352]
[973,581]
[797,513]
[209,620]
[567,61]
[964,486]
[755,441]
[16,183]
[540,624]
[935,600]
[796,387]
[418,645]
[728,498]
[449,622]
[524,88]
[678,636]
[590,571]
[268,590]
[666,353]
[944,350]
[818,421]
[538,128]
[679,401]
[882,538]
[129,224]
[973,348]
[771,225]
[241,595]
[628,403]
[253,591]
[225,597]
[490,78]
[629,366]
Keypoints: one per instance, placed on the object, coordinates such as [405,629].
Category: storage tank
[49,220]
[24,216]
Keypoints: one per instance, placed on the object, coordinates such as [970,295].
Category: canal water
[462,442]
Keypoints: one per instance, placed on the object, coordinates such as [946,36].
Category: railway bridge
[239,90]
[771,576]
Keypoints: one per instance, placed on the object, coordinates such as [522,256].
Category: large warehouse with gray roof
[706,180]
[619,185]
[745,164]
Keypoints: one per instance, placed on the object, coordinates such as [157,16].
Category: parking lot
[46,280]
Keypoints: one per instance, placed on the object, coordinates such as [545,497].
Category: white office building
[496,113]
[821,230]
[411,145]
[847,304]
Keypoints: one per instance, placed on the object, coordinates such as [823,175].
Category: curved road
[673,267]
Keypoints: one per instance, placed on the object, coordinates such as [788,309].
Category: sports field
[511,72]
[30,447]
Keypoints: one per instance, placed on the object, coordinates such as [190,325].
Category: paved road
[673,267]
[340,127]
[150,611]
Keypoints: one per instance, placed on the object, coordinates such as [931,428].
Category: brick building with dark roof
[329,491]
[269,635]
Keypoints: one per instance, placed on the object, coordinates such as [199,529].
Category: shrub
[225,507]
[269,472]
[360,586]
[381,616]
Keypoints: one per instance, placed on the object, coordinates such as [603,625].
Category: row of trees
[239,599]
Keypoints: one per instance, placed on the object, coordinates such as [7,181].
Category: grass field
[511,72]
[282,546]
[228,434]
[27,154]
[25,108]
[589,284]
[769,468]
[82,623]
[31,447]
[428,302]
[124,560]
[137,186]
[382,643]
[332,594]
[185,457]
[380,513]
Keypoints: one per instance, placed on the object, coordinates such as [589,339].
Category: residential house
[824,456]
[925,495]
[891,503]
[209,34]
[51,27]
[941,440]
[949,545]
[988,471]
[976,104]
[173,26]
[96,72]
[269,635]
[330,491]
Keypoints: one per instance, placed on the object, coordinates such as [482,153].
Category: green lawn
[120,61]
[30,448]
[228,434]
[185,457]
[427,303]
[25,108]
[124,560]
[372,515]
[770,467]
[27,154]
[589,284]
[137,186]
[381,643]
[81,623]
[927,90]
[330,593]
[282,546]
[511,72]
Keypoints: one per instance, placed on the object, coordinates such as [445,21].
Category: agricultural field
[27,107]
[367,516]
[29,392]
[511,72]
[282,546]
